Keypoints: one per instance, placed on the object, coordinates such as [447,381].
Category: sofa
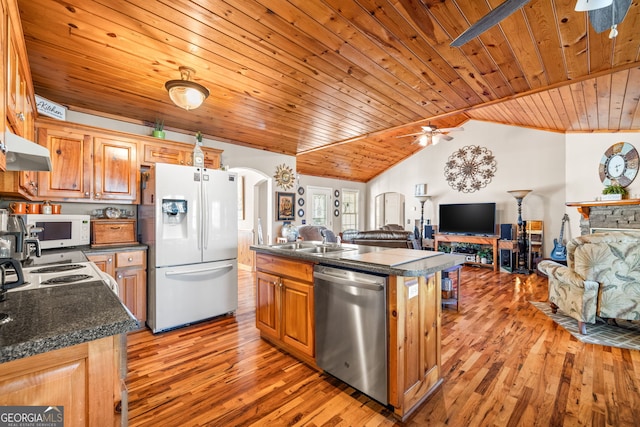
[316,233]
[386,238]
[601,278]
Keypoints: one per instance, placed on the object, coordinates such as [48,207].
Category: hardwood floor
[504,364]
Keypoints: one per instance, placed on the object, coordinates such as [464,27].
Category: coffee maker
[10,239]
[18,238]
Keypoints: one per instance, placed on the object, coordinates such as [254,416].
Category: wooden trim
[585,207]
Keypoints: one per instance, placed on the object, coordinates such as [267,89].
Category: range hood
[24,155]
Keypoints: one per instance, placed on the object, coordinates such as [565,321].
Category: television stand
[481,240]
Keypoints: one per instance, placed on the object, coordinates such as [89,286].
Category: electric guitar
[559,252]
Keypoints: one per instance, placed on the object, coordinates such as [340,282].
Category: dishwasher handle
[360,282]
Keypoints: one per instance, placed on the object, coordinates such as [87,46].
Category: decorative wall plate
[284,176]
[470,168]
[300,212]
[300,201]
[336,212]
[619,164]
[301,190]
[336,203]
[336,193]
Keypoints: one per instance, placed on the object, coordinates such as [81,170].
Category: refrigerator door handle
[197,270]
[206,214]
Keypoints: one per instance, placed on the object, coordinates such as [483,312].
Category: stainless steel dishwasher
[351,328]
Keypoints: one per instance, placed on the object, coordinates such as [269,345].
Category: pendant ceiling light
[586,5]
[186,93]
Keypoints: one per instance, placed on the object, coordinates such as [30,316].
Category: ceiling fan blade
[446,137]
[410,134]
[604,18]
[450,129]
[488,21]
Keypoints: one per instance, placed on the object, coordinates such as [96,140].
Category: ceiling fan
[603,14]
[431,134]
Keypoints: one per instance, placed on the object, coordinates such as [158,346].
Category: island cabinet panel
[284,304]
[267,304]
[70,157]
[84,378]
[414,341]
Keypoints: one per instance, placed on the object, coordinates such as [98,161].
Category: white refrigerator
[191,227]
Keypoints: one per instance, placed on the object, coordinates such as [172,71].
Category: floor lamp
[522,241]
[422,199]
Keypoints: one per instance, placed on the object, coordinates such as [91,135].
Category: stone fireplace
[611,215]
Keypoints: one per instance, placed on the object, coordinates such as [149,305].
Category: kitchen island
[285,308]
[65,346]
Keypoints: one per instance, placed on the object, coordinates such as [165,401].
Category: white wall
[584,152]
[526,159]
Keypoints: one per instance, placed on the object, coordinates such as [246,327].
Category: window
[320,206]
[350,209]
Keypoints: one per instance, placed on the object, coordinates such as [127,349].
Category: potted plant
[158,129]
[614,192]
[486,255]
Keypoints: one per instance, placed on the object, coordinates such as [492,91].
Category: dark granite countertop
[60,316]
[433,261]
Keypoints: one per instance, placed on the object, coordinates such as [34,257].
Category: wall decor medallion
[301,191]
[470,168]
[619,165]
[300,201]
[284,176]
[300,212]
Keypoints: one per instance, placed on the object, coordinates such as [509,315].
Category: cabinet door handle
[20,116]
[86,194]
[110,260]
[130,259]
[116,227]
[119,276]
[97,195]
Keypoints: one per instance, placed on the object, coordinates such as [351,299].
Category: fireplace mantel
[585,207]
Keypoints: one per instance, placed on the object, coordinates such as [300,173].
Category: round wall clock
[619,164]
[470,168]
[284,176]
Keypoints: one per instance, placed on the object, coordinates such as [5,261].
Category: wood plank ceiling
[334,82]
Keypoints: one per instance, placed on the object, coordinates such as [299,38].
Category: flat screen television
[468,218]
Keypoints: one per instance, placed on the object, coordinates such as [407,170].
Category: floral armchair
[601,278]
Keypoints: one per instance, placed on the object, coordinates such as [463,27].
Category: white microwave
[60,231]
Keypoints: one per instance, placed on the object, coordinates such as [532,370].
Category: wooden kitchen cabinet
[178,154]
[129,268]
[17,100]
[85,379]
[88,165]
[284,304]
[70,159]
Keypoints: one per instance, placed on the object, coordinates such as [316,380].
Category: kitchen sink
[323,249]
[311,248]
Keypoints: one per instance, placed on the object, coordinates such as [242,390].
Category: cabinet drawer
[286,267]
[130,259]
[112,232]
